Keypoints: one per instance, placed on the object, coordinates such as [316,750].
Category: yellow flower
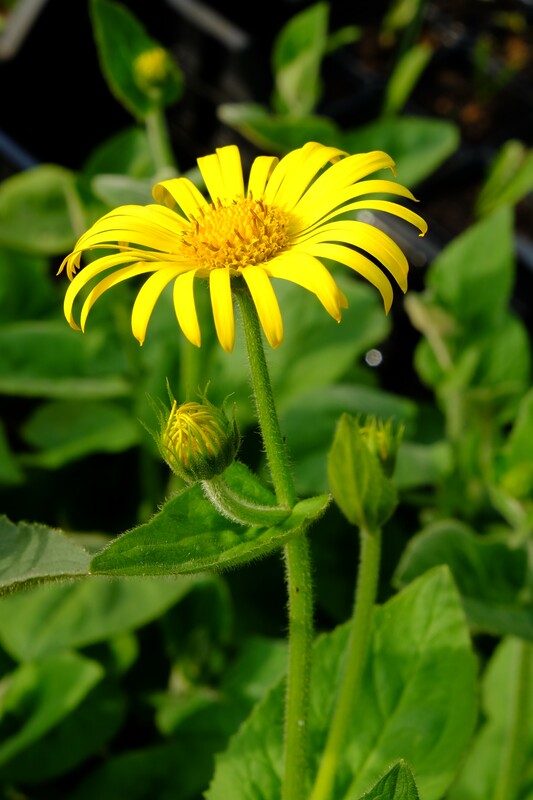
[294,213]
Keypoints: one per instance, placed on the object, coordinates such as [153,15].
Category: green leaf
[84,732]
[69,430]
[177,770]
[118,190]
[37,696]
[40,211]
[517,449]
[296,61]
[126,153]
[510,178]
[422,464]
[26,289]
[277,133]
[408,707]
[491,576]
[418,145]
[10,471]
[121,39]
[34,554]
[472,278]
[478,776]
[48,619]
[405,76]
[188,535]
[397,784]
[47,359]
[366,497]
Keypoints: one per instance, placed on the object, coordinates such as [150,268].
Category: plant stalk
[159,140]
[365,598]
[297,566]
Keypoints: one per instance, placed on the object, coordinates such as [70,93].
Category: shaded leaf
[477,295]
[418,145]
[491,575]
[276,133]
[47,359]
[33,554]
[38,695]
[68,430]
[418,703]
[479,773]
[296,60]
[84,732]
[42,200]
[48,619]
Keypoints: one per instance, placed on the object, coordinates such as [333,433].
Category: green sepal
[189,535]
[364,494]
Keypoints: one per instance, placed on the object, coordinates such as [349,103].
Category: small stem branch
[365,597]
[297,567]
[512,761]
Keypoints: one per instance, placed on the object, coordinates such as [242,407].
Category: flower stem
[297,566]
[512,761]
[159,140]
[276,450]
[365,597]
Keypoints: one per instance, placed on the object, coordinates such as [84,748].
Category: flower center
[235,236]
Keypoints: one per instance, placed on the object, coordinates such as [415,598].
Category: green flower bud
[356,471]
[198,441]
[151,69]
[383,441]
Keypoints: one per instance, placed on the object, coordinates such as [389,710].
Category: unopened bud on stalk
[383,441]
[151,70]
[360,462]
[198,441]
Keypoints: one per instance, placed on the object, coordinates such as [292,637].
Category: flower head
[293,214]
[197,440]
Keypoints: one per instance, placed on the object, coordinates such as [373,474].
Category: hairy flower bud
[198,441]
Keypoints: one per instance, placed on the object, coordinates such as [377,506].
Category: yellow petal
[331,205]
[338,177]
[185,307]
[180,191]
[278,174]
[146,300]
[260,173]
[390,208]
[87,274]
[231,170]
[111,280]
[222,303]
[309,272]
[365,237]
[266,303]
[222,173]
[302,172]
[358,262]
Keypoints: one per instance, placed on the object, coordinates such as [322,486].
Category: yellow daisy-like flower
[294,212]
